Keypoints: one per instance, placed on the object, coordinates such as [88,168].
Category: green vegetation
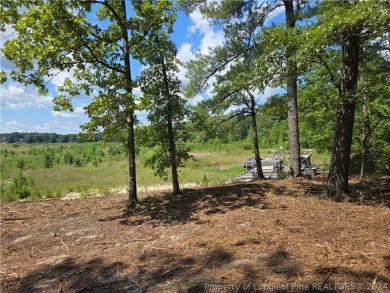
[91,167]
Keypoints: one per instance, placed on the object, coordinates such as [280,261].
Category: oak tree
[57,36]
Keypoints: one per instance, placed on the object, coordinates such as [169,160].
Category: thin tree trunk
[365,136]
[292,90]
[171,138]
[132,167]
[366,122]
[172,157]
[129,116]
[255,138]
[339,167]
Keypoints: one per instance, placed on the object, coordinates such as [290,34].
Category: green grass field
[57,169]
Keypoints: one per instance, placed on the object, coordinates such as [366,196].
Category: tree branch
[222,65]
[105,3]
[85,44]
[233,116]
[328,69]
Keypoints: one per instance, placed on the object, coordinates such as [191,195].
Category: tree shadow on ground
[374,191]
[387,262]
[163,270]
[172,210]
[154,271]
[167,209]
[362,280]
[282,263]
[69,275]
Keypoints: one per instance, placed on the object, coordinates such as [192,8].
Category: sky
[23,110]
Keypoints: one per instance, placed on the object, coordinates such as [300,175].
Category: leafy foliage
[21,187]
[166,108]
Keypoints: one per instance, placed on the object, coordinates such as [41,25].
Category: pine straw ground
[269,236]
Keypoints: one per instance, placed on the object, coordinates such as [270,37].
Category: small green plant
[95,162]
[83,194]
[284,175]
[81,188]
[48,162]
[21,164]
[21,187]
[104,190]
[205,180]
[78,162]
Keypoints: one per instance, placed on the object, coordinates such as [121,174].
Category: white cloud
[78,112]
[142,116]
[200,23]
[18,97]
[137,92]
[80,109]
[11,123]
[64,114]
[211,38]
[185,52]
[60,76]
[12,126]
[56,126]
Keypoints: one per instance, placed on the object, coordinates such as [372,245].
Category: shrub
[48,162]
[21,164]
[22,187]
[68,158]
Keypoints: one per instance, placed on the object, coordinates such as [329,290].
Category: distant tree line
[36,137]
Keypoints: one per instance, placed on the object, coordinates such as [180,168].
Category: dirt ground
[261,236]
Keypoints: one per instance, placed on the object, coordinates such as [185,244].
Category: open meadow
[34,171]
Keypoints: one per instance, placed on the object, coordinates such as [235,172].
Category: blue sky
[23,110]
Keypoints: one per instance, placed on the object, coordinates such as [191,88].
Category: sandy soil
[262,236]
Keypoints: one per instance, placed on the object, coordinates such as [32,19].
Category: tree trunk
[129,116]
[171,138]
[292,90]
[365,135]
[293,133]
[172,158]
[255,138]
[132,167]
[366,122]
[339,167]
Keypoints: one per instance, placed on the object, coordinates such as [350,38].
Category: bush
[21,164]
[20,188]
[48,163]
